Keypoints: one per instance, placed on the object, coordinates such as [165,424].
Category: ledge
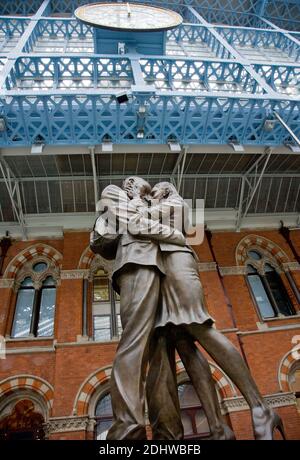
[74,274]
[238,403]
[207,267]
[65,424]
[235,270]
[27,350]
[270,329]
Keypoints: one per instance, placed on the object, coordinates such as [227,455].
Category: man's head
[163,190]
[136,187]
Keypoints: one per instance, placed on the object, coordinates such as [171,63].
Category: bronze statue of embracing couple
[162,310]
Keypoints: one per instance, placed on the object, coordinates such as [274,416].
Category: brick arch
[90,261]
[267,246]
[102,376]
[224,385]
[86,259]
[285,367]
[29,382]
[87,389]
[38,249]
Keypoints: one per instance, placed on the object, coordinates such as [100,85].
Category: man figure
[136,275]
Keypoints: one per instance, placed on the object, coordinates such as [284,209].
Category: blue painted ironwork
[10,31]
[216,84]
[60,35]
[19,7]
[261,45]
[283,79]
[194,41]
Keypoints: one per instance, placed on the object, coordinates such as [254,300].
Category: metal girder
[252,178]
[286,126]
[22,41]
[178,170]
[13,189]
[211,99]
[260,6]
[151,176]
[95,178]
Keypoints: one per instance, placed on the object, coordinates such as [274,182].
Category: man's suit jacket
[137,249]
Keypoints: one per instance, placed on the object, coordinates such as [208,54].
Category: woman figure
[183,319]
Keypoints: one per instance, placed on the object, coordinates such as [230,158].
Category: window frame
[193,409]
[112,305]
[38,279]
[101,418]
[259,266]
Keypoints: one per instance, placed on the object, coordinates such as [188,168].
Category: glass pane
[47,309]
[101,289]
[192,414]
[261,296]
[104,406]
[49,281]
[280,295]
[102,328]
[23,312]
[40,267]
[27,282]
[104,416]
[254,255]
[102,429]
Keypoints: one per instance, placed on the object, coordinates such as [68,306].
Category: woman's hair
[168,188]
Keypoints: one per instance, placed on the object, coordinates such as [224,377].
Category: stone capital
[291,266]
[7,283]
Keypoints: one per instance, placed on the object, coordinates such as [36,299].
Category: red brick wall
[72,363]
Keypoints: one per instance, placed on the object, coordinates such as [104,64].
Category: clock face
[128,16]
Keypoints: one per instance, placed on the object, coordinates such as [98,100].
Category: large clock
[128,17]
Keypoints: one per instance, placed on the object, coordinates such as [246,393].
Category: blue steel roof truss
[215,84]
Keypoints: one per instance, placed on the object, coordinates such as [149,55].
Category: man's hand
[179,238]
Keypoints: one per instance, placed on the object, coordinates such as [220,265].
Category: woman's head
[163,190]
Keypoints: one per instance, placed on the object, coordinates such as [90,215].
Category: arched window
[35,305]
[106,308]
[193,417]
[22,420]
[267,287]
[103,417]
[294,381]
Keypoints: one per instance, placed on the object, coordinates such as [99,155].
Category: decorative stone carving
[238,403]
[97,262]
[235,270]
[37,277]
[291,266]
[65,424]
[6,283]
